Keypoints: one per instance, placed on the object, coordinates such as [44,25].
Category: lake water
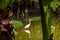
[34,32]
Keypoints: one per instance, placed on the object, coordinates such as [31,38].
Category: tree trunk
[18,14]
[44,25]
[6,28]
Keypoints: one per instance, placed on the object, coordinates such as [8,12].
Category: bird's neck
[29,22]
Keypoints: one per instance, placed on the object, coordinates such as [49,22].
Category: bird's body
[27,26]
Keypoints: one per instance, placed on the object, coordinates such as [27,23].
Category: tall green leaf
[16,1]
[4,3]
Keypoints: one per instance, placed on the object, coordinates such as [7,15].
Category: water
[33,33]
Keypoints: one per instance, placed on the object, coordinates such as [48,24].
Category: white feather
[27,26]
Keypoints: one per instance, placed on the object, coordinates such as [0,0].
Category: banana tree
[46,16]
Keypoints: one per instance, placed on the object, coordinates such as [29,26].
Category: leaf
[53,4]
[15,32]
[45,2]
[4,3]
[16,1]
[17,24]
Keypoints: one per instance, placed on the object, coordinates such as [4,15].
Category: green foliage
[45,2]
[53,4]
[49,13]
[15,32]
[46,16]
[16,23]
[16,1]
[4,3]
[43,20]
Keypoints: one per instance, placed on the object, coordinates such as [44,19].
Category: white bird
[28,25]
[28,31]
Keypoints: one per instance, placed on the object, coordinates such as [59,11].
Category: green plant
[6,3]
[17,24]
[15,32]
[46,16]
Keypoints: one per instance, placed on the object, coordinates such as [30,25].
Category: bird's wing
[27,26]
